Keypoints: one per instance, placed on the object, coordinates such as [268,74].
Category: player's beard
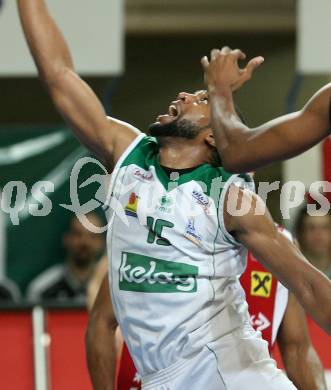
[177,128]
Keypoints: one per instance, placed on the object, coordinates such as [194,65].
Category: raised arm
[300,359]
[76,102]
[243,148]
[257,231]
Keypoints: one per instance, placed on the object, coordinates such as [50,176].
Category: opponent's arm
[300,359]
[95,282]
[243,148]
[75,101]
[100,341]
[257,231]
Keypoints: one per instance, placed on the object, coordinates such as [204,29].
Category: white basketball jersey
[173,266]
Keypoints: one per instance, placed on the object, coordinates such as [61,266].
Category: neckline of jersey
[183,178]
[181,171]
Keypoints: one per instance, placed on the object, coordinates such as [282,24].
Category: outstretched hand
[222,71]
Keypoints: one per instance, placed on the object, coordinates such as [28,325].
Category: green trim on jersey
[146,154]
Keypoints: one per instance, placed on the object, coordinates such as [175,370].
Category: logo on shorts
[191,233]
[261,283]
[150,275]
[131,207]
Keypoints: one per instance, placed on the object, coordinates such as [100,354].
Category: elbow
[100,322]
[227,160]
[55,77]
[231,166]
[231,162]
[233,158]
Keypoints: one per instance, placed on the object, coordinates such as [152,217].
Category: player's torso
[172,270]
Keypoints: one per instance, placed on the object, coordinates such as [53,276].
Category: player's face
[186,116]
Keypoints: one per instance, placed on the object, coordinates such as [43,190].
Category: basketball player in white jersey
[178,250]
[243,148]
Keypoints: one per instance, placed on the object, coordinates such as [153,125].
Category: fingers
[214,54]
[247,72]
[253,64]
[205,62]
[226,50]
[238,54]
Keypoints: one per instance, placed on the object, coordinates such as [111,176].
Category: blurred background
[137,55]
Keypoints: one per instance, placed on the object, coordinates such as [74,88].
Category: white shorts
[237,361]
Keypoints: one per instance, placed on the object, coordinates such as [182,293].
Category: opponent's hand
[223,73]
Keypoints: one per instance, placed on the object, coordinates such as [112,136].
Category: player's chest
[166,213]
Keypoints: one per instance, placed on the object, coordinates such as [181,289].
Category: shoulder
[141,152]
[218,180]
[236,186]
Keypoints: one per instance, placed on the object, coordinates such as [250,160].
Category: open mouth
[172,114]
[173,111]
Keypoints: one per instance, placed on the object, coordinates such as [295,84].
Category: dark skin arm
[300,359]
[257,231]
[107,138]
[100,341]
[243,148]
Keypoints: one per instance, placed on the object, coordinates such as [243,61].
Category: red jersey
[267,300]
[266,297]
[127,376]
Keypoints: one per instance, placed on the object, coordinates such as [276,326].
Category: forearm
[311,288]
[304,368]
[257,231]
[230,133]
[242,148]
[46,43]
[101,356]
[315,297]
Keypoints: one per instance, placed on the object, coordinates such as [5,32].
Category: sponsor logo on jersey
[260,322]
[143,175]
[202,199]
[261,283]
[131,207]
[150,275]
[165,204]
[191,233]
